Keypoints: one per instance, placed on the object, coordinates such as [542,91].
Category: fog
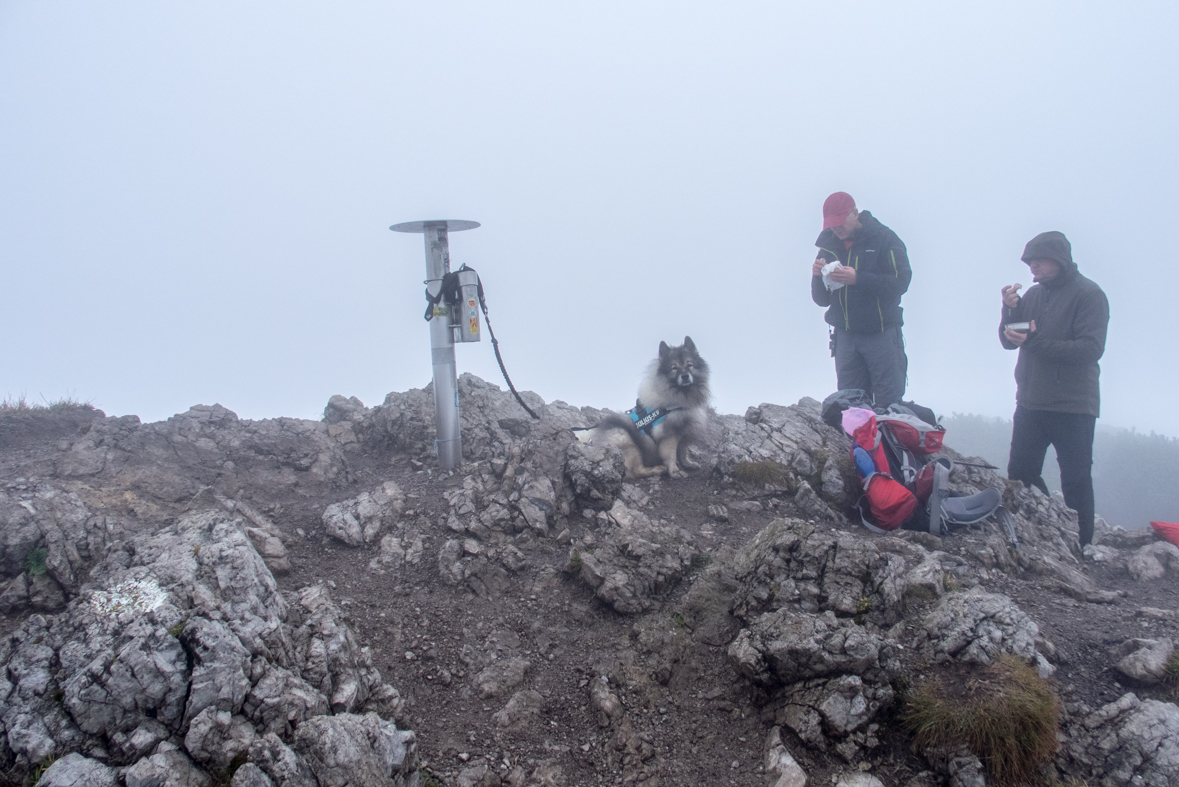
[195,198]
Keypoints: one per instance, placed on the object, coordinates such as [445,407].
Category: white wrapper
[834,265]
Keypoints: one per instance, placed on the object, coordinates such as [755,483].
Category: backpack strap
[941,486]
[1008,521]
[860,504]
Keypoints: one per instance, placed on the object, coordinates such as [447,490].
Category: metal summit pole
[447,438]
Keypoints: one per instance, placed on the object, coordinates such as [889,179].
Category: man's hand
[1018,337]
[817,268]
[844,275]
[1011,296]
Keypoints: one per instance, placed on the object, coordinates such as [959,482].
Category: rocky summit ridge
[289,603]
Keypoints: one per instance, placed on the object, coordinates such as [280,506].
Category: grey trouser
[873,362]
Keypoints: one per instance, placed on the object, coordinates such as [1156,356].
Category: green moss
[762,474]
[35,561]
[920,593]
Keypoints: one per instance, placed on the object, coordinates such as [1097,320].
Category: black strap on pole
[498,357]
[450,293]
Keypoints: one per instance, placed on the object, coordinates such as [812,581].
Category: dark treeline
[1135,475]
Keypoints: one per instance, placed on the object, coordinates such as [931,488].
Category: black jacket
[873,303]
[1057,368]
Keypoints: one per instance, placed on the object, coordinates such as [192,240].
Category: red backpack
[886,502]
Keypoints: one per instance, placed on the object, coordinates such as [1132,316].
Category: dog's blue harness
[645,420]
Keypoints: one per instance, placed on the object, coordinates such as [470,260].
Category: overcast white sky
[195,197]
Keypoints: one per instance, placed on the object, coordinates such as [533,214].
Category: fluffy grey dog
[673,399]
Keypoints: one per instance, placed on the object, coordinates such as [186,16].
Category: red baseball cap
[836,208]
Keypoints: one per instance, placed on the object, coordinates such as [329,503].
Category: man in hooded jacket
[1057,399]
[863,297]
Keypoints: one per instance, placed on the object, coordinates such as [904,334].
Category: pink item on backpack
[854,418]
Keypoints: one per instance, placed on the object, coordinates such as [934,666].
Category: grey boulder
[357,751]
[74,770]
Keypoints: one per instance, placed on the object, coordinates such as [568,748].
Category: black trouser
[873,362]
[1072,435]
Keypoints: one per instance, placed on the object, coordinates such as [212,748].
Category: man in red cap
[862,294]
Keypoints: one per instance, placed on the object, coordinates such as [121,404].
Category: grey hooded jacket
[1057,368]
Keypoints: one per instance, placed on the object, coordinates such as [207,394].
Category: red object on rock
[1168,530]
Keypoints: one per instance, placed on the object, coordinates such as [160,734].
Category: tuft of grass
[39,771]
[428,779]
[1004,712]
[1171,674]
[176,628]
[35,561]
[863,607]
[701,559]
[575,562]
[18,405]
[761,474]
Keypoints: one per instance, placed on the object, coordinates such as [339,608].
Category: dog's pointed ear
[689,345]
[663,349]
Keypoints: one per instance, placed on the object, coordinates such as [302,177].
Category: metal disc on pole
[448,438]
[450,225]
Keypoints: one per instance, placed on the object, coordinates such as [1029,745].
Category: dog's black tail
[647,448]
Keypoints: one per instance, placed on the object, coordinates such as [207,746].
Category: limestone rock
[74,770]
[183,636]
[340,409]
[216,737]
[857,779]
[280,763]
[595,474]
[794,436]
[522,710]
[1127,742]
[783,769]
[638,561]
[501,676]
[1144,660]
[809,503]
[205,446]
[347,750]
[824,713]
[1153,561]
[361,520]
[1129,538]
[607,703]
[977,626]
[220,668]
[168,767]
[791,562]
[966,770]
[787,646]
[48,518]
[250,775]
